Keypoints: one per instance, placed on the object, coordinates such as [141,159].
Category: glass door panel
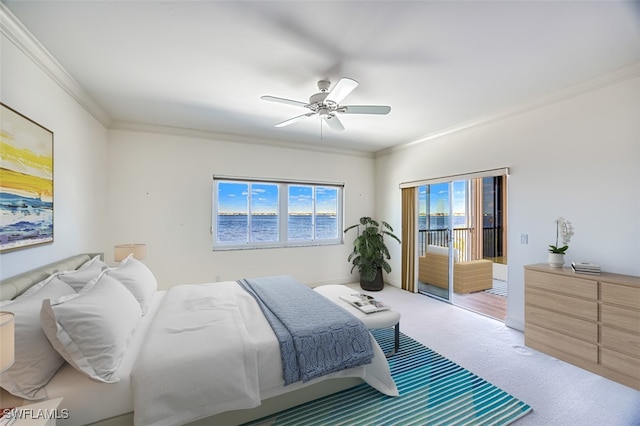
[493,235]
[434,223]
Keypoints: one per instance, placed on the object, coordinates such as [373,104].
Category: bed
[104,388]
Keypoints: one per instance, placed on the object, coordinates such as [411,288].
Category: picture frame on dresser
[26,181]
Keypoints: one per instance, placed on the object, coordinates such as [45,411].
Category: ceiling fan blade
[364,109]
[333,122]
[295,119]
[341,90]
[283,100]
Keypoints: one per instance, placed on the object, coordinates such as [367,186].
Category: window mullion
[314,221]
[248,239]
[283,212]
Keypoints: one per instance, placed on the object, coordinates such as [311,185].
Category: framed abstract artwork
[26,181]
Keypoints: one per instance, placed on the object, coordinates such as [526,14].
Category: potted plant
[564,230]
[370,253]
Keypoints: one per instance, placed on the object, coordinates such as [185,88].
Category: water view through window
[251,212]
[435,202]
[434,206]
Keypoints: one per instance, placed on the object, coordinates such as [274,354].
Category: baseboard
[513,323]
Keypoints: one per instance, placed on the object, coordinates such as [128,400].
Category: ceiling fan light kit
[326,104]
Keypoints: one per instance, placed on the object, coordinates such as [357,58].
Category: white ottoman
[375,320]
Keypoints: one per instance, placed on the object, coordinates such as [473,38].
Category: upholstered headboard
[16,285]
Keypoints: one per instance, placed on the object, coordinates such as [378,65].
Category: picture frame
[26,181]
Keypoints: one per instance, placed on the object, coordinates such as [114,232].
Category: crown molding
[602,81]
[235,138]
[19,35]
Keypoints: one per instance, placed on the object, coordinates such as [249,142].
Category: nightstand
[43,413]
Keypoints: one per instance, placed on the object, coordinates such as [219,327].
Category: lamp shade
[121,251]
[7,353]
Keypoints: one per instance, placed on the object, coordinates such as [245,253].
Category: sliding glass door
[461,237]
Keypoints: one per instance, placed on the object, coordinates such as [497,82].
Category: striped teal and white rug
[433,391]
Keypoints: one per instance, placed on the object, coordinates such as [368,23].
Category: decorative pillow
[36,361]
[80,277]
[91,329]
[137,278]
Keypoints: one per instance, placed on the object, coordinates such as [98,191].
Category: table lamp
[121,251]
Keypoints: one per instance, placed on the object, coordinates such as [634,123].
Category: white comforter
[210,350]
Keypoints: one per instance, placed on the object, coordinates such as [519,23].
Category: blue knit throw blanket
[316,336]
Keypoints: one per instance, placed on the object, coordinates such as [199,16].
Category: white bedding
[224,356]
[90,401]
[198,359]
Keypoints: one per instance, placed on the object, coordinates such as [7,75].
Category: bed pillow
[91,329]
[84,274]
[36,361]
[137,278]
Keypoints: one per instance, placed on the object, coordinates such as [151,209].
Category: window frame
[282,212]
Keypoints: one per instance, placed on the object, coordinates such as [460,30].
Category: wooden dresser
[592,321]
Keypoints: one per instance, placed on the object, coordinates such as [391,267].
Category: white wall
[79,161]
[578,158]
[160,193]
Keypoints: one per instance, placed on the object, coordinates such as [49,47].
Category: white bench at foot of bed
[375,320]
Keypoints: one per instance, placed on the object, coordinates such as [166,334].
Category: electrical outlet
[524,239]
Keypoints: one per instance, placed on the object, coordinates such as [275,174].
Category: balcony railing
[491,238]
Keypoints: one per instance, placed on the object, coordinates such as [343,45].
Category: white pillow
[442,251]
[36,361]
[91,329]
[80,277]
[137,278]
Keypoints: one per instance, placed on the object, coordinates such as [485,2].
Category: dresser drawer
[571,286]
[582,329]
[561,342]
[620,362]
[620,317]
[620,340]
[623,295]
[578,307]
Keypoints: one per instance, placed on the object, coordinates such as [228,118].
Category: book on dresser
[586,268]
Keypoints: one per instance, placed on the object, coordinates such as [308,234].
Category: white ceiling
[203,65]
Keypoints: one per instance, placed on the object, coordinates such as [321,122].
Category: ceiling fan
[326,104]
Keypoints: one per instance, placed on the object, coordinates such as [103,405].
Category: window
[253,213]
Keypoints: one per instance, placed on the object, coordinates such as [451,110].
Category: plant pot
[556,260]
[376,285]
